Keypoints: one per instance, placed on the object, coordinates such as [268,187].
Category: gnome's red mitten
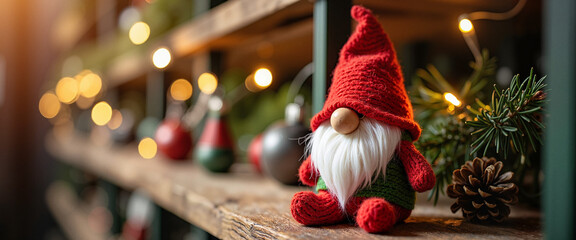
[307,174]
[420,173]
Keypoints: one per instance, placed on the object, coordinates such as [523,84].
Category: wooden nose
[344,120]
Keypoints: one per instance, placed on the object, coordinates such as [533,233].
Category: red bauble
[173,139]
[255,152]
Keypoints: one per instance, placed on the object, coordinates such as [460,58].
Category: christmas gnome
[362,160]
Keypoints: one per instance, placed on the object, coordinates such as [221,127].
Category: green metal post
[155,94]
[331,30]
[560,147]
[156,224]
[112,205]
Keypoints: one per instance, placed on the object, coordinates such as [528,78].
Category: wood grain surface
[245,205]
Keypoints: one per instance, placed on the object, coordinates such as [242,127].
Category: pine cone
[482,192]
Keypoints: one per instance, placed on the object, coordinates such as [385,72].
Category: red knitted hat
[368,78]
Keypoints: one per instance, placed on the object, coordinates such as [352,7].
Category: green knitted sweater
[395,188]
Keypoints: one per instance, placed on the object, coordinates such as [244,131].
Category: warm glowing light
[207,83]
[49,105]
[452,99]
[116,120]
[161,58]
[181,90]
[90,85]
[67,90]
[147,148]
[101,113]
[465,25]
[139,33]
[263,78]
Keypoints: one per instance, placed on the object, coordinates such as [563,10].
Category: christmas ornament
[173,139]
[482,192]
[366,169]
[139,215]
[255,152]
[214,150]
[281,150]
[147,128]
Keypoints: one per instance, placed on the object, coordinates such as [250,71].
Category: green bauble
[147,128]
[214,159]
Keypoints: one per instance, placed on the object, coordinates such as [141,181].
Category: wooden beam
[559,164]
[223,19]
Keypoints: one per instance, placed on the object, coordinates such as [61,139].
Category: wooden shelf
[236,23]
[243,204]
[225,26]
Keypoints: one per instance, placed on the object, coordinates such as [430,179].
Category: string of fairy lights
[86,87]
[469,34]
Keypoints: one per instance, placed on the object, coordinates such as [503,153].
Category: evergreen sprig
[453,135]
[512,119]
[429,86]
[446,144]
[445,140]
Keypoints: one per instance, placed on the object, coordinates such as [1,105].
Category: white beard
[351,162]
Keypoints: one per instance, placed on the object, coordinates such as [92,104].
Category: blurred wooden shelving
[235,25]
[223,27]
[71,213]
[243,204]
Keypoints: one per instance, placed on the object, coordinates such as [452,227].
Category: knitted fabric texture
[394,187]
[368,78]
[306,173]
[309,208]
[376,215]
[419,172]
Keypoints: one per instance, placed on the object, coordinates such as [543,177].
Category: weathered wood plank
[243,204]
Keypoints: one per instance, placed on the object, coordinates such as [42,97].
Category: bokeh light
[101,113]
[90,85]
[147,148]
[181,90]
[67,90]
[161,58]
[139,33]
[49,105]
[116,120]
[263,77]
[207,82]
[465,25]
[452,99]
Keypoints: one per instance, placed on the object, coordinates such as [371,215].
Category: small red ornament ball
[173,139]
[255,152]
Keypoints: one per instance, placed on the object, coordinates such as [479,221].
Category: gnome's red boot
[378,215]
[309,208]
